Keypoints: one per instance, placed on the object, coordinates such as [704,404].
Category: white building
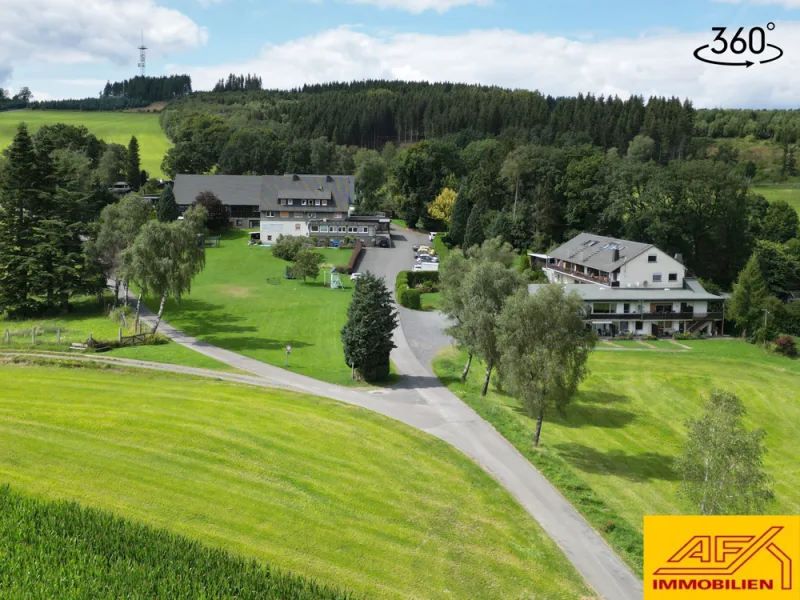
[630,287]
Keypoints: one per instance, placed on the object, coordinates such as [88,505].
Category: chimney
[616,255]
[295,177]
[679,257]
[329,179]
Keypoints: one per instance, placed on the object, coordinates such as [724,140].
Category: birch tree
[721,467]
[166,257]
[545,346]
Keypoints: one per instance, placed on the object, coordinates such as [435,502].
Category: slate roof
[597,251]
[266,190]
[692,290]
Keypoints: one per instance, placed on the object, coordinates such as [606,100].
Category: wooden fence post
[58,333]
[8,336]
[119,335]
[33,336]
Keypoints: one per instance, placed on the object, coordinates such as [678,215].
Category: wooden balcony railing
[656,316]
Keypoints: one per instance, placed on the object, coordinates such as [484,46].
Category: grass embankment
[87,318]
[790,194]
[233,305]
[117,127]
[60,550]
[315,487]
[612,454]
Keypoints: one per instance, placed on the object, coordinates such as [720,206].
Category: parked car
[432,236]
[427,258]
[384,243]
[355,276]
[426,266]
[416,247]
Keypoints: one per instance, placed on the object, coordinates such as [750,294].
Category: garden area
[612,453]
[321,489]
[243,302]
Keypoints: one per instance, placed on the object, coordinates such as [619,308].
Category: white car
[432,236]
[355,276]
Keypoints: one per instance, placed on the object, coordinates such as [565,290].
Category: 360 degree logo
[722,557]
[731,53]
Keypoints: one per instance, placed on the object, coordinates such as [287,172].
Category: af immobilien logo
[743,558]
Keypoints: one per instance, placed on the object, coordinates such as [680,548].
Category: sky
[70,48]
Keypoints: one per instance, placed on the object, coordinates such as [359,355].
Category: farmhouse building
[307,205]
[630,287]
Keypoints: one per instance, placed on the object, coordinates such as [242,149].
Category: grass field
[117,127]
[233,306]
[56,549]
[790,194]
[612,454]
[316,487]
[87,317]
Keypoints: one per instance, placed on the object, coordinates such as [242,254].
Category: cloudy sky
[70,48]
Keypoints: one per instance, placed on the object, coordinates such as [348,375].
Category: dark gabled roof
[266,190]
[597,251]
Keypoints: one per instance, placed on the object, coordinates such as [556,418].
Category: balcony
[656,316]
[587,277]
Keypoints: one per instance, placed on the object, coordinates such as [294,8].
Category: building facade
[629,287]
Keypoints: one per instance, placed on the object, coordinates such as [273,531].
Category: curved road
[420,400]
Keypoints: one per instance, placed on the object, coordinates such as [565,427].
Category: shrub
[406,296]
[609,526]
[650,337]
[344,270]
[416,278]
[699,335]
[786,346]
[116,314]
[427,287]
[286,247]
[628,336]
[683,336]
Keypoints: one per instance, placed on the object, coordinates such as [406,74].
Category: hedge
[407,296]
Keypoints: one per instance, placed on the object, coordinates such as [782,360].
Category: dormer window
[303,202]
[324,203]
[651,258]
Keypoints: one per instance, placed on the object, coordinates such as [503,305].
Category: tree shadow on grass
[633,467]
[578,415]
[237,344]
[204,318]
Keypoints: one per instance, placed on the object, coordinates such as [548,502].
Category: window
[337,215]
[316,202]
[362,230]
[604,307]
[626,308]
[668,324]
[298,215]
[315,228]
[284,215]
[290,202]
[269,238]
[656,277]
[297,225]
[270,214]
[254,223]
[324,203]
[624,325]
[639,325]
[673,277]
[352,229]
[303,202]
[238,222]
[652,258]
[323,228]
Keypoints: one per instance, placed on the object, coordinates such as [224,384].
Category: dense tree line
[238,83]
[130,93]
[782,126]
[16,101]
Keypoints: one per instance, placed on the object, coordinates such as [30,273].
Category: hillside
[116,127]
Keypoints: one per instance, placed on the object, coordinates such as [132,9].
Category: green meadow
[117,127]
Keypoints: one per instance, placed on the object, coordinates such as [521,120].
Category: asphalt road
[421,401]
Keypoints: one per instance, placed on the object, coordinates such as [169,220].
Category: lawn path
[422,401]
[684,346]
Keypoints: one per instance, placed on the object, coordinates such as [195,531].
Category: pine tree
[133,167]
[474,235]
[167,208]
[749,294]
[19,200]
[367,335]
[458,222]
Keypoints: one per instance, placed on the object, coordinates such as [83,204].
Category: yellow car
[426,250]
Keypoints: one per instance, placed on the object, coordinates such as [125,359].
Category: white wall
[275,227]
[641,270]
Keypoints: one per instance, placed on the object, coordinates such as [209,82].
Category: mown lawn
[233,305]
[790,194]
[117,127]
[87,318]
[612,454]
[322,489]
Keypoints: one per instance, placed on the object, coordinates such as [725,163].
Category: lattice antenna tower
[142,56]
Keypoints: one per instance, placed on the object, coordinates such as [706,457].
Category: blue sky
[66,49]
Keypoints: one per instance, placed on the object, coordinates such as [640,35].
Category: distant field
[322,489]
[115,127]
[773,193]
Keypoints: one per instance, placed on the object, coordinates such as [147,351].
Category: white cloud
[80,31]
[784,3]
[418,6]
[652,64]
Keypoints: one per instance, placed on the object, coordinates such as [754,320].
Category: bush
[344,270]
[427,287]
[406,296]
[116,314]
[786,346]
[628,336]
[416,278]
[651,338]
[683,336]
[286,247]
[699,335]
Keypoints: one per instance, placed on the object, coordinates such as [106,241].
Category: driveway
[421,401]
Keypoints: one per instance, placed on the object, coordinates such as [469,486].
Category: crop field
[61,550]
[117,127]
[243,303]
[612,454]
[306,485]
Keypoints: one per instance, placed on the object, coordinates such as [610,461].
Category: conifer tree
[133,167]
[458,223]
[474,235]
[749,294]
[367,335]
[167,208]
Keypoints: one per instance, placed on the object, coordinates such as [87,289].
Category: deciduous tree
[721,466]
[217,214]
[307,264]
[544,349]
[441,208]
